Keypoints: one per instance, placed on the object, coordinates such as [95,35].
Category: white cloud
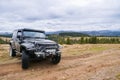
[52,15]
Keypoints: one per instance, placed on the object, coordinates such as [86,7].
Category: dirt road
[105,65]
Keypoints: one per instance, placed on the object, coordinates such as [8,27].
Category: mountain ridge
[91,33]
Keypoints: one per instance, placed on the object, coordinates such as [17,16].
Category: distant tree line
[73,34]
[85,40]
[77,38]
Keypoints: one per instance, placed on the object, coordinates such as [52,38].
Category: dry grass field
[5,38]
[79,62]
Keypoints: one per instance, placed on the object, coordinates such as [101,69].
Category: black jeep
[32,44]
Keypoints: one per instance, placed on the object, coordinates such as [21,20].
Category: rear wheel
[12,52]
[25,60]
[56,59]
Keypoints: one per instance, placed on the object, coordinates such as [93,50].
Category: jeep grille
[42,47]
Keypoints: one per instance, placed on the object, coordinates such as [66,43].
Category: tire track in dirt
[17,64]
[71,67]
[88,67]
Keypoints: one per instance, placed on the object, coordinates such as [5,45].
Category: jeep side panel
[17,42]
[12,42]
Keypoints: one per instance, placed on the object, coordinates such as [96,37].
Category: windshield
[33,34]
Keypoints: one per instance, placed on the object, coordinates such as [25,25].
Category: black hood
[40,41]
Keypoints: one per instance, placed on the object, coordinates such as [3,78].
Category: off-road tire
[25,60]
[12,52]
[56,59]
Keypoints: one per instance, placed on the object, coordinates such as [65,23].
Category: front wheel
[56,59]
[12,52]
[25,60]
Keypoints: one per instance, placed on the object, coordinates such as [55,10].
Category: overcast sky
[55,15]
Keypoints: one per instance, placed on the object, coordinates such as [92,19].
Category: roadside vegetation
[84,39]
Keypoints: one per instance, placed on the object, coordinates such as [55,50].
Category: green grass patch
[98,48]
[93,50]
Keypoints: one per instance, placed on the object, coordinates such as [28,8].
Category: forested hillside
[73,34]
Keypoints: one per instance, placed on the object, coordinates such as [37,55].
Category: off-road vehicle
[32,44]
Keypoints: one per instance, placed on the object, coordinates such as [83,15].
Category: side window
[19,33]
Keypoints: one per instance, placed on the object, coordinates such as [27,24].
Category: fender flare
[25,46]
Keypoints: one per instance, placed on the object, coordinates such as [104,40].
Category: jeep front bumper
[46,54]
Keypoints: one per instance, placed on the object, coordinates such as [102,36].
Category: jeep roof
[26,29]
